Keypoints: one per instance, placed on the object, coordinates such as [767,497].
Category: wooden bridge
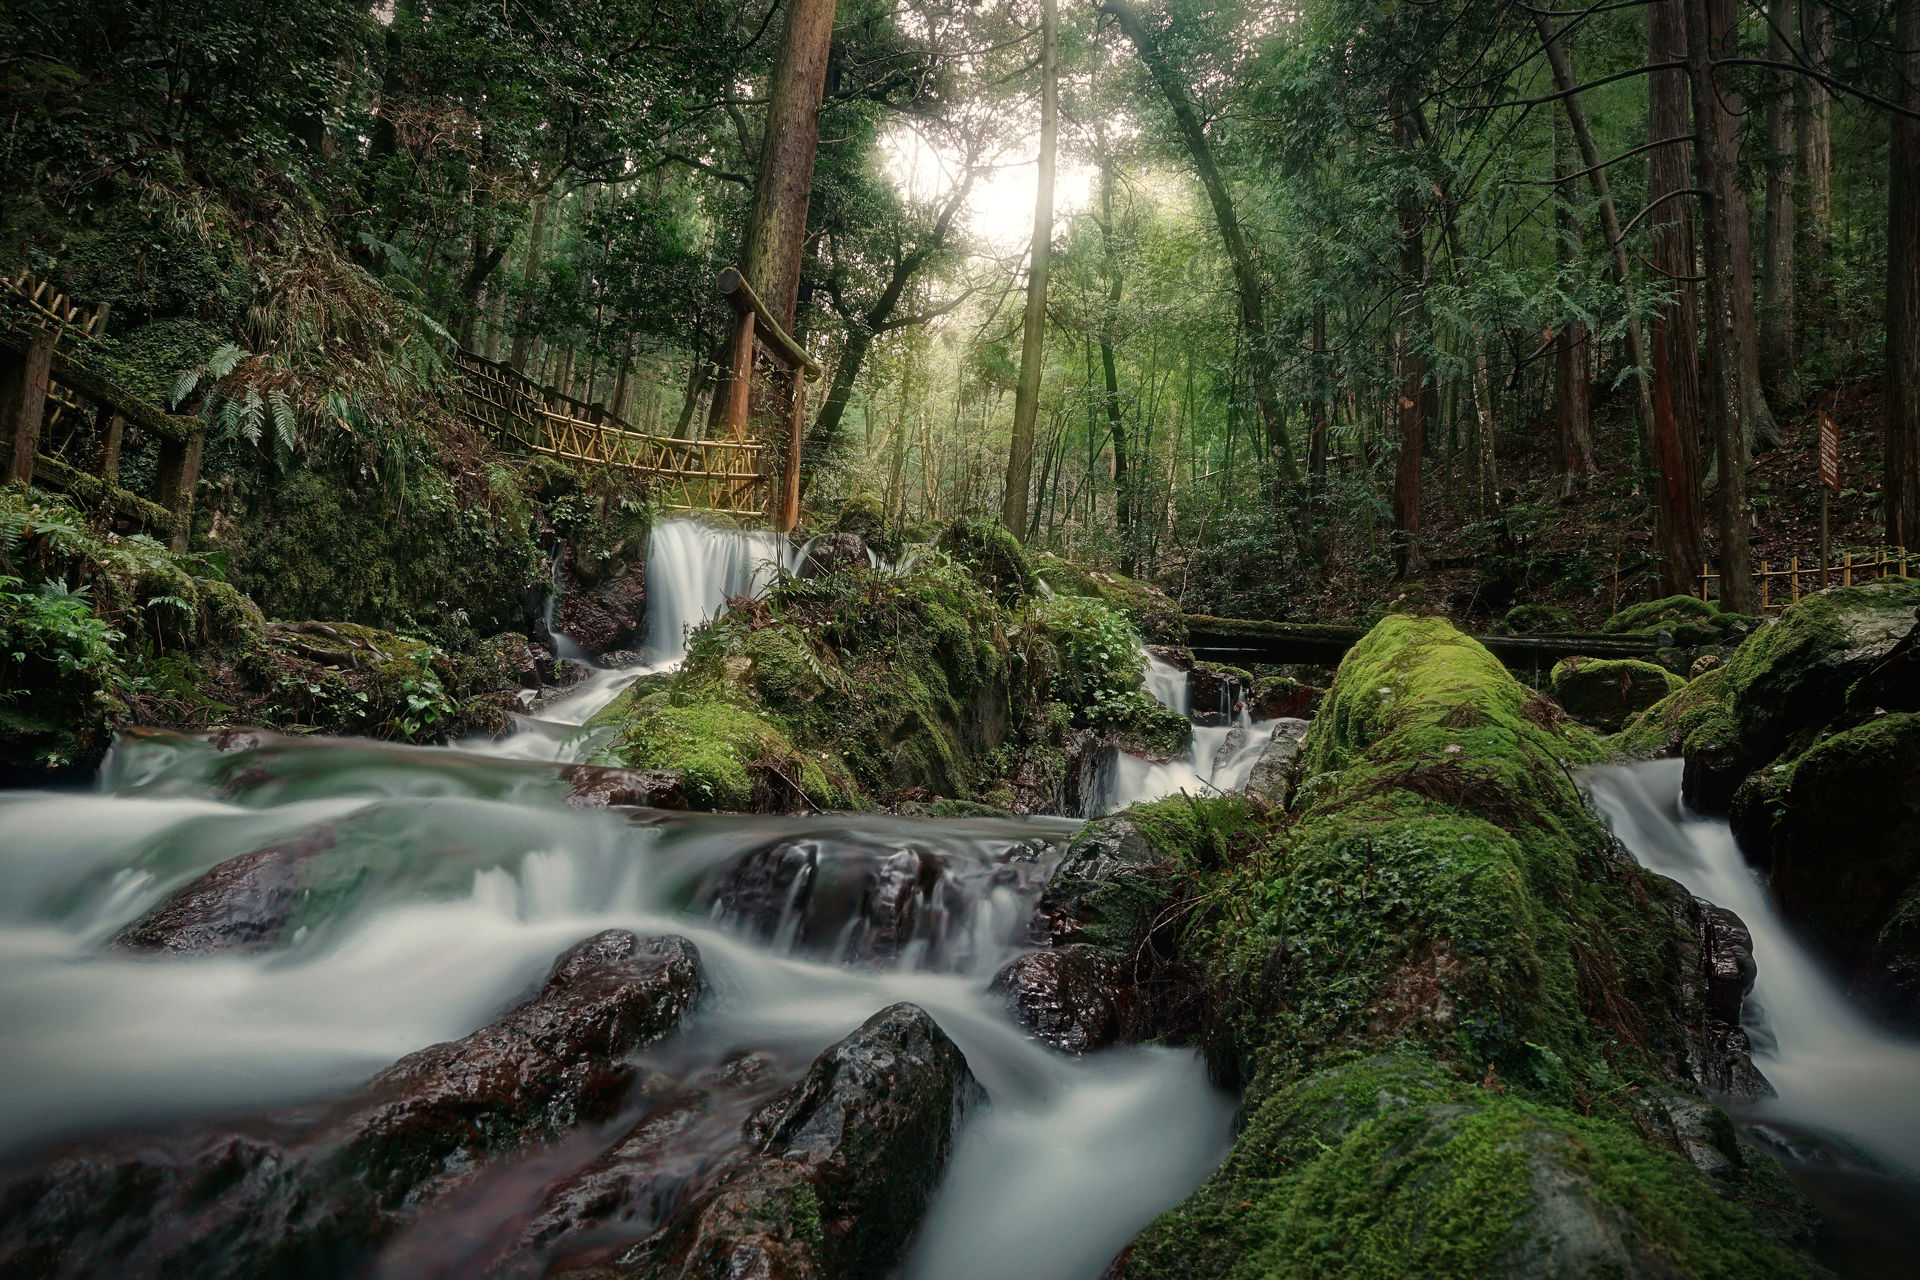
[735,473]
[64,425]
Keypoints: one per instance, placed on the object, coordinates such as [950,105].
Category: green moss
[1063,576]
[1426,976]
[727,753]
[992,555]
[865,516]
[1661,615]
[1142,725]
[1607,692]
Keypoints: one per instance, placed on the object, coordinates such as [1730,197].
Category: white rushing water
[462,873]
[1834,1071]
[1218,759]
[693,569]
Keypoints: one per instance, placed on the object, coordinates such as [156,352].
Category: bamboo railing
[509,407]
[49,398]
[1798,579]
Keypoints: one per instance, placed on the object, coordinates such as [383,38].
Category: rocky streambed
[1403,990]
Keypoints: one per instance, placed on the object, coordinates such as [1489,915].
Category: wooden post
[1826,556]
[1846,579]
[1765,580]
[740,383]
[179,474]
[1796,580]
[111,429]
[790,479]
[23,402]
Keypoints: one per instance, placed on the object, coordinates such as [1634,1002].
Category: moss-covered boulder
[833,691]
[992,555]
[1606,693]
[1063,576]
[1689,620]
[1423,976]
[1840,828]
[1780,689]
[864,516]
[1283,697]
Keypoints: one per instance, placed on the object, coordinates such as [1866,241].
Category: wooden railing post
[23,401]
[179,475]
[740,379]
[790,479]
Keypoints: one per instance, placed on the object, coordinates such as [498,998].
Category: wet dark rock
[1282,698]
[243,904]
[1110,893]
[302,1194]
[843,1164]
[832,553]
[607,616]
[1276,773]
[1229,746]
[1101,875]
[857,903]
[1075,998]
[1845,844]
[687,1139]
[1796,676]
[1713,973]
[594,787]
[1217,688]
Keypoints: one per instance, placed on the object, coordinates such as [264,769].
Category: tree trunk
[1776,250]
[529,276]
[1573,346]
[777,230]
[1317,406]
[1721,203]
[1410,366]
[1674,440]
[1723,30]
[1813,147]
[1026,401]
[1901,483]
[1246,274]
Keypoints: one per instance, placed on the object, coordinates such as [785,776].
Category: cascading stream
[447,882]
[1833,1069]
[693,569]
[1844,1120]
[1219,758]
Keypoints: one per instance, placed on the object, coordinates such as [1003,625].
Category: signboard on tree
[1829,452]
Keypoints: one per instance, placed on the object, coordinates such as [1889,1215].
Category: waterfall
[1218,758]
[1834,1071]
[694,568]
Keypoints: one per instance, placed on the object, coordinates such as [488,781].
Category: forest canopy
[1472,303]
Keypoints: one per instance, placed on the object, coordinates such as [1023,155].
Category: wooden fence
[718,475]
[1798,579]
[63,424]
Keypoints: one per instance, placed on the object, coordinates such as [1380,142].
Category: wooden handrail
[738,292]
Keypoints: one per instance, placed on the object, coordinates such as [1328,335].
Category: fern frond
[225,360]
[183,385]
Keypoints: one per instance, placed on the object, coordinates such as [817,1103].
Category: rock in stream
[303,1193]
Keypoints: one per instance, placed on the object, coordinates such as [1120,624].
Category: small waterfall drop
[694,568]
[1218,759]
[1845,1123]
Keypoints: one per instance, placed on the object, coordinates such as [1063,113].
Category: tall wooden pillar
[790,478]
[179,476]
[23,401]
